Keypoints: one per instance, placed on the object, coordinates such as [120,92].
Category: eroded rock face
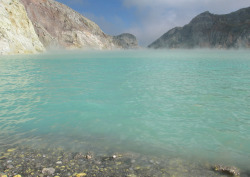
[17,34]
[126,41]
[59,26]
[210,31]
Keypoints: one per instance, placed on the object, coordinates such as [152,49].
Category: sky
[148,19]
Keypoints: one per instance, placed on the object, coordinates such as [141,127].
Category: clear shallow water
[181,103]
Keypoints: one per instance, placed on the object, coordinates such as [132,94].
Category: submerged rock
[227,170]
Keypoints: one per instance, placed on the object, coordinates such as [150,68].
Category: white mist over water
[184,103]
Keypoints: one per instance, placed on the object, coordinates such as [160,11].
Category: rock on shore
[17,34]
[210,31]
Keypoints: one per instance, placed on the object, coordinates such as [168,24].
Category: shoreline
[22,161]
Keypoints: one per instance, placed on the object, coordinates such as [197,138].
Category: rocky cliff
[126,41]
[17,34]
[59,26]
[210,31]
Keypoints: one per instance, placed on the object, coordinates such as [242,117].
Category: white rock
[59,162]
[48,171]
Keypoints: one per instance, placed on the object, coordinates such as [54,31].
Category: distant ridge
[210,31]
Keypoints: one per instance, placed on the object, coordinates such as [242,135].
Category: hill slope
[210,31]
[60,26]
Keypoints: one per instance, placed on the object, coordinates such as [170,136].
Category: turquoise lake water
[192,104]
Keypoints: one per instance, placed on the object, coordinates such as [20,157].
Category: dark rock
[210,31]
[227,170]
[3,158]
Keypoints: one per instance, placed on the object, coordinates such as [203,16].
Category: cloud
[217,6]
[155,17]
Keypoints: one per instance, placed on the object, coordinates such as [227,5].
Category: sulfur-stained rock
[81,174]
[17,34]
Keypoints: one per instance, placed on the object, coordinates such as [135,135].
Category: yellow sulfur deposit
[81,174]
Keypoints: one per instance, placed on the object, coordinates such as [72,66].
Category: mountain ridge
[208,30]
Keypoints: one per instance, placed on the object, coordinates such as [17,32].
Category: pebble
[11,150]
[88,157]
[3,175]
[68,164]
[48,171]
[38,165]
[98,162]
[81,174]
[59,162]
[9,161]
[10,166]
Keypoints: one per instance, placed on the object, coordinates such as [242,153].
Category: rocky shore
[28,162]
